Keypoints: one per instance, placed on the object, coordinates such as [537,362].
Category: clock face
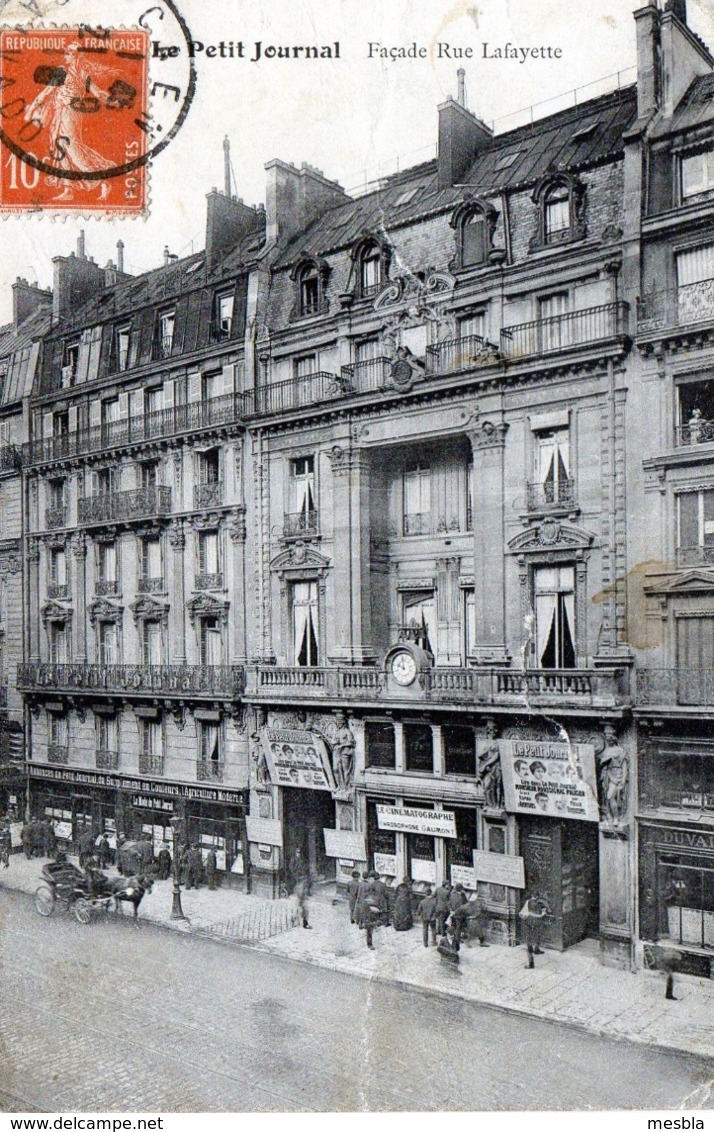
[404,668]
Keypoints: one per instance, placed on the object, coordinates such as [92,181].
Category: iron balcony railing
[668,307]
[366,376]
[106,587]
[208,582]
[417,524]
[58,591]
[300,523]
[209,770]
[106,760]
[10,457]
[208,494]
[146,585]
[58,753]
[55,517]
[458,354]
[115,506]
[163,423]
[151,765]
[565,332]
[544,496]
[594,687]
[695,556]
[3,697]
[166,679]
[295,393]
[672,687]
[696,432]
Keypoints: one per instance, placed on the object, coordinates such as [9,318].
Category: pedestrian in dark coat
[382,893]
[26,839]
[302,892]
[373,912]
[104,853]
[146,853]
[211,868]
[194,867]
[50,839]
[163,860]
[470,921]
[532,914]
[427,911]
[85,846]
[403,907]
[457,897]
[352,894]
[361,896]
[442,906]
[5,845]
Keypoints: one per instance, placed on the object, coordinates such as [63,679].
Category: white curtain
[305,627]
[546,605]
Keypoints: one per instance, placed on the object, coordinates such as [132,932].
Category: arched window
[561,204]
[474,223]
[310,279]
[371,267]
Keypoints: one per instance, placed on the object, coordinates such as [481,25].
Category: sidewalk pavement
[571,988]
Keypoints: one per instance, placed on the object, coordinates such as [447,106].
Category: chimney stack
[80,245]
[296,197]
[461,96]
[120,255]
[167,256]
[227,166]
[26,299]
[462,136]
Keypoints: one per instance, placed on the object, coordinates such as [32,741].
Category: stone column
[177,540]
[488,442]
[33,603]
[615,851]
[79,550]
[237,532]
[352,638]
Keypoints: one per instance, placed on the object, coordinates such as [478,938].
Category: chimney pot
[461,96]
[81,244]
[120,255]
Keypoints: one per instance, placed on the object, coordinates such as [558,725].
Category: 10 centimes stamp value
[85,109]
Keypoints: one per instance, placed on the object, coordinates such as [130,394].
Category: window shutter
[194,387]
[227,380]
[73,418]
[83,357]
[95,414]
[169,394]
[47,425]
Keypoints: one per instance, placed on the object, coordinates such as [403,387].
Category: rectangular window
[58,640]
[303,486]
[151,564]
[553,484]
[110,411]
[153,743]
[459,750]
[165,333]
[58,566]
[107,561]
[153,400]
[695,283]
[58,730]
[70,359]
[695,535]
[554,588]
[380,749]
[208,552]
[151,642]
[418,748]
[224,311]
[470,494]
[697,173]
[557,213]
[370,273]
[473,240]
[210,641]
[210,741]
[57,493]
[60,425]
[553,327]
[472,325]
[306,365]
[419,619]
[149,473]
[103,481]
[209,469]
[108,652]
[108,734]
[305,624]
[123,343]
[417,501]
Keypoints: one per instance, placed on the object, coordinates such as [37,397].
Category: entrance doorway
[305,814]
[561,865]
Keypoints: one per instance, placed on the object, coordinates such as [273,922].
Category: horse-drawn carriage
[86,892]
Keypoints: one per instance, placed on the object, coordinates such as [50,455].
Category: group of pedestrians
[446,913]
[38,838]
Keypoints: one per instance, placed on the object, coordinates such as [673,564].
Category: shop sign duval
[436,823]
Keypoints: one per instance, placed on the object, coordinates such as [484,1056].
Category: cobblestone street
[109,1016]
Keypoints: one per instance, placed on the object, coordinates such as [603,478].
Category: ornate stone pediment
[207,605]
[147,608]
[299,557]
[691,582]
[55,612]
[551,535]
[103,610]
[416,290]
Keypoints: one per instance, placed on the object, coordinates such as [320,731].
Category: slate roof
[576,138]
[16,351]
[697,106]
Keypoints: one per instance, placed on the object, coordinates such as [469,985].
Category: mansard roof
[579,137]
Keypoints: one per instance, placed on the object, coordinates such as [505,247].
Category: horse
[130,890]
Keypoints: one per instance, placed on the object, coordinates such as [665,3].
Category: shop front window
[678,780]
[460,849]
[687,902]
[381,843]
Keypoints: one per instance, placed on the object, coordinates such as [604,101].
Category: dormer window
[223,319]
[371,259]
[474,222]
[70,359]
[697,173]
[560,201]
[165,333]
[310,279]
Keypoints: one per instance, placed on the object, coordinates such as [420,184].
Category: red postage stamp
[73,119]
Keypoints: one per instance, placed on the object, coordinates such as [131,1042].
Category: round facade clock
[404,668]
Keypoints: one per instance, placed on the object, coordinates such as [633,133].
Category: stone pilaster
[177,620]
[79,550]
[488,442]
[352,635]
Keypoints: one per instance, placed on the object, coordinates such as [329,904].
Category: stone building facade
[376,535]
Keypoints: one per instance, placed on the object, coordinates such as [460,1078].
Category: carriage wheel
[44,900]
[82,910]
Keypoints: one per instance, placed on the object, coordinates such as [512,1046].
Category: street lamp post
[179,827]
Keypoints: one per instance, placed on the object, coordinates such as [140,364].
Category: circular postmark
[84,106]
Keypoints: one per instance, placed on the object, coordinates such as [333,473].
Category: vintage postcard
[356,559]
